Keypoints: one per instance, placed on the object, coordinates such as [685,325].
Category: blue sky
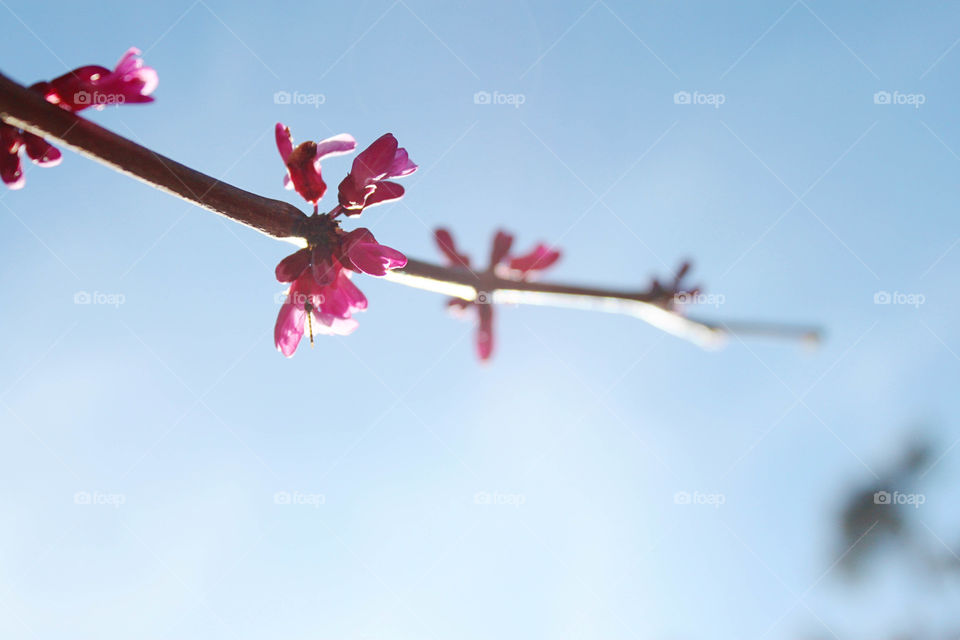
[800,198]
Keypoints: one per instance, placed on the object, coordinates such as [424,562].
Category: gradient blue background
[177,401]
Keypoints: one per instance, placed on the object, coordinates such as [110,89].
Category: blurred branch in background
[884,513]
[657,305]
[881,529]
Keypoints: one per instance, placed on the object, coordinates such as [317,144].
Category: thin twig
[29,111]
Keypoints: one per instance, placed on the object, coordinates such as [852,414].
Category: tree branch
[29,111]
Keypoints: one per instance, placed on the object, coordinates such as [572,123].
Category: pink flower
[95,86]
[501,265]
[332,249]
[89,86]
[12,140]
[320,309]
[321,289]
[367,183]
[303,161]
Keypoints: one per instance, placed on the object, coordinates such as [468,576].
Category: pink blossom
[89,86]
[321,289]
[332,249]
[303,161]
[501,264]
[320,309]
[12,140]
[329,248]
[321,293]
[368,184]
[95,86]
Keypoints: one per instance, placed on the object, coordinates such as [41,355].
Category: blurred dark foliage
[871,520]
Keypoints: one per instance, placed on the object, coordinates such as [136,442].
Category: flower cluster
[89,86]
[322,298]
[502,265]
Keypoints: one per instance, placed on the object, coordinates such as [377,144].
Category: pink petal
[541,257]
[392,259]
[358,235]
[384,192]
[132,71]
[323,266]
[10,138]
[290,268]
[485,332]
[305,173]
[95,86]
[501,247]
[336,146]
[72,90]
[376,259]
[350,291]
[289,328]
[129,82]
[284,141]
[11,173]
[40,151]
[458,306]
[348,241]
[445,242]
[334,303]
[375,161]
[332,326]
[361,252]
[353,195]
[401,165]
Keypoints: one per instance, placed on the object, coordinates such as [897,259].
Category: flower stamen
[309,309]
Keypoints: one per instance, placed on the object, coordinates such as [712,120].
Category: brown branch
[29,111]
